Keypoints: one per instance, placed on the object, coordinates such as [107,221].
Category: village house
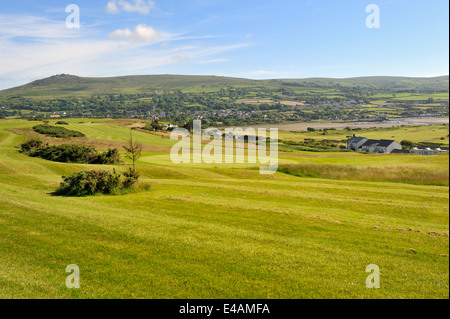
[355,143]
[362,144]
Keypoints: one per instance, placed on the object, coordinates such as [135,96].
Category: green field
[223,231]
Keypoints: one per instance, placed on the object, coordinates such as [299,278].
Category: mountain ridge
[63,85]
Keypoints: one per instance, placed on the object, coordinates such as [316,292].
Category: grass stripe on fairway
[220,231]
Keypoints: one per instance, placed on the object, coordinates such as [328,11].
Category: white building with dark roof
[355,143]
[362,144]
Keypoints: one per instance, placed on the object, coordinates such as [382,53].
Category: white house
[355,143]
[372,146]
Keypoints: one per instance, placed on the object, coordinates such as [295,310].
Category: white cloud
[262,72]
[139,6]
[14,26]
[111,7]
[32,48]
[141,33]
[212,61]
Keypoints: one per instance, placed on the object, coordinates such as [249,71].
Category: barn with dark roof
[372,146]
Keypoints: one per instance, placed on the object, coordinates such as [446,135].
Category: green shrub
[89,183]
[406,145]
[54,131]
[31,145]
[66,154]
[131,178]
[62,123]
[69,153]
[153,126]
[111,156]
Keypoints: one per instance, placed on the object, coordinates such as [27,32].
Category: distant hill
[382,82]
[69,85]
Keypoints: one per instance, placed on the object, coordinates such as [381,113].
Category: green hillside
[382,82]
[69,85]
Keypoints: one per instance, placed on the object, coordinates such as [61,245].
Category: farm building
[372,146]
[428,151]
[355,143]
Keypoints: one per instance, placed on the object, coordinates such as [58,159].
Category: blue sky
[257,39]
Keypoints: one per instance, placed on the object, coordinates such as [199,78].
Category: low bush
[66,154]
[153,126]
[131,178]
[31,145]
[111,156]
[62,123]
[69,153]
[55,131]
[91,183]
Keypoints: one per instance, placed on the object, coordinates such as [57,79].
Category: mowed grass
[220,231]
[378,174]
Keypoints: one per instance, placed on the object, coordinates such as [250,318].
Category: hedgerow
[69,153]
[55,131]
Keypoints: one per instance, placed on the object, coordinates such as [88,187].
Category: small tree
[156,126]
[134,151]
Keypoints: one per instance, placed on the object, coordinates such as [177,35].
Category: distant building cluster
[362,144]
[428,151]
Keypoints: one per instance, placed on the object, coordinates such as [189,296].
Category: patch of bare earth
[126,122]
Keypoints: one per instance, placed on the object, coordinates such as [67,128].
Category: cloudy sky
[242,38]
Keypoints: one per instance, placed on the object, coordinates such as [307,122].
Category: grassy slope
[68,86]
[380,81]
[213,231]
[77,86]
